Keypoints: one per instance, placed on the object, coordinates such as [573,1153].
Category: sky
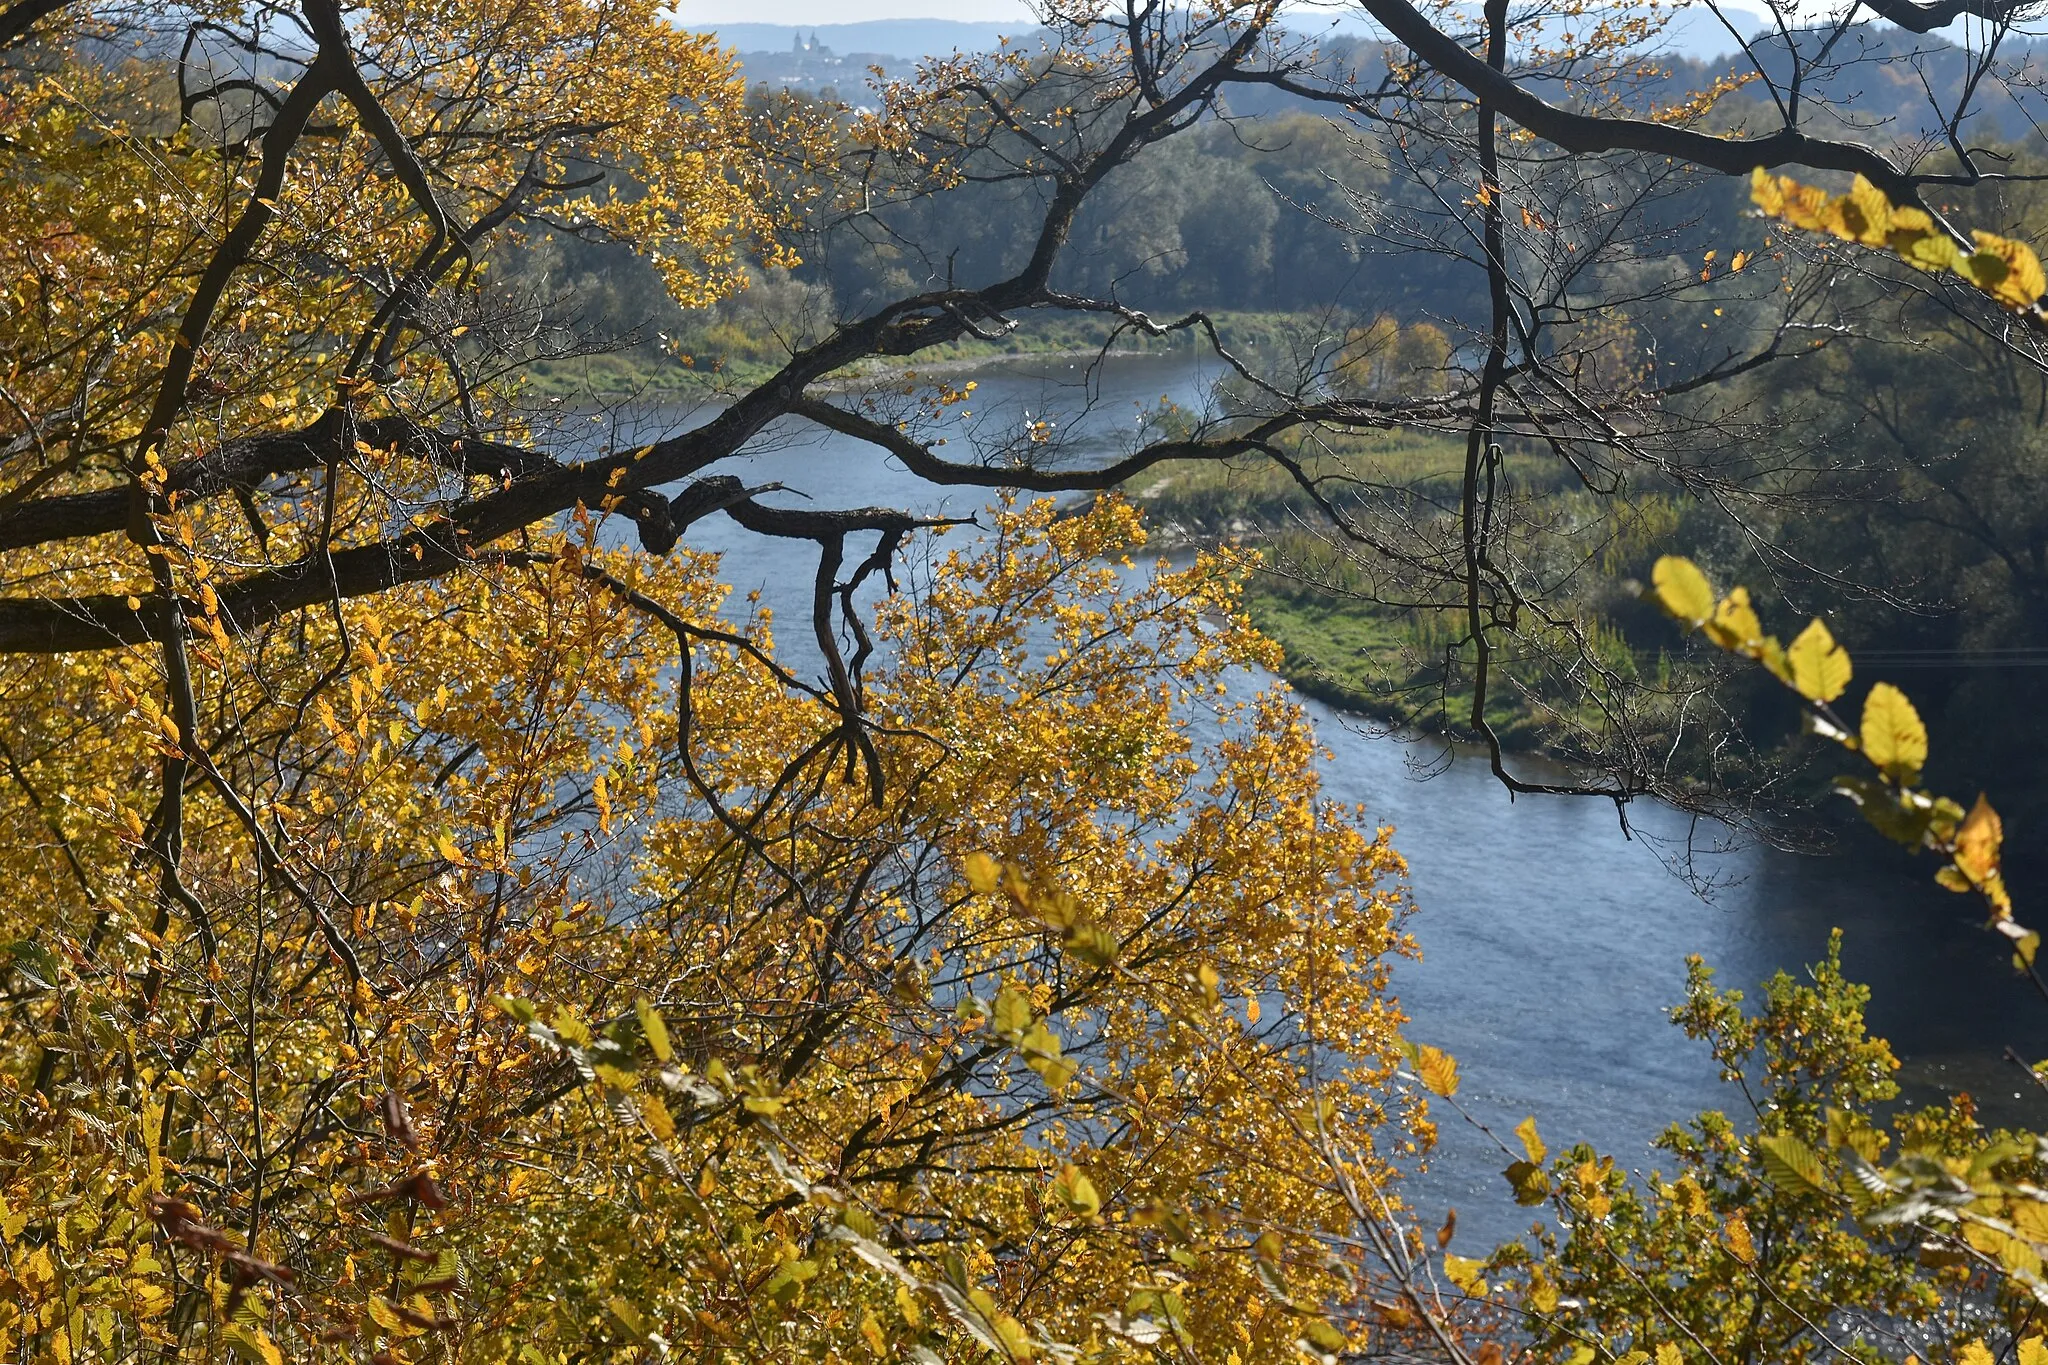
[698,14]
[708,14]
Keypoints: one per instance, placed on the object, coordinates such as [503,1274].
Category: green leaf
[253,1343]
[1820,667]
[1793,1165]
[1893,736]
[1323,1335]
[974,1310]
[627,1314]
[35,963]
[1682,590]
[1093,944]
[788,1280]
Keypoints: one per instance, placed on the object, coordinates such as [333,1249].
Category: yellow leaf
[1977,842]
[1862,215]
[1735,626]
[1323,1335]
[1669,1354]
[2033,1351]
[1682,589]
[1531,1143]
[1791,1164]
[984,874]
[2007,270]
[906,1304]
[1013,1011]
[1464,1273]
[1919,242]
[659,1121]
[1077,1191]
[1820,667]
[382,1313]
[1771,655]
[1766,191]
[628,1315]
[1736,1234]
[871,1333]
[253,1342]
[1438,1070]
[1893,737]
[652,1025]
[1973,1353]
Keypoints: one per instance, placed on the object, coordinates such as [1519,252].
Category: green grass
[1367,659]
[719,362]
[1339,646]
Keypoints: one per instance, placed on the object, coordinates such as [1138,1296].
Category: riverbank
[1339,646]
[724,364]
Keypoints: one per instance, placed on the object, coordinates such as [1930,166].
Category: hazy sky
[703,13]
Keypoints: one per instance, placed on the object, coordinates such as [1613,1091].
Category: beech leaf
[1682,590]
[1820,667]
[1893,736]
[1792,1164]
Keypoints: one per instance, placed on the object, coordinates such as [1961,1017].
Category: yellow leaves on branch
[1891,735]
[1435,1068]
[671,980]
[2006,270]
[2032,1350]
[1527,1177]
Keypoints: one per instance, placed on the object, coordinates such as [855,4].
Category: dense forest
[451,917]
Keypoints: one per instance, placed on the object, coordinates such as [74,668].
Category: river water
[1553,945]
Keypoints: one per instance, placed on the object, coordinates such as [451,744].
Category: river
[1552,944]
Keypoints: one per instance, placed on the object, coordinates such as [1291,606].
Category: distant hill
[1693,33]
[905,39]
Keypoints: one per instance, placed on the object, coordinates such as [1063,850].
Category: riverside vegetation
[441,926]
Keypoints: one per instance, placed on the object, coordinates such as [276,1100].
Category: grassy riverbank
[720,358]
[1341,645]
